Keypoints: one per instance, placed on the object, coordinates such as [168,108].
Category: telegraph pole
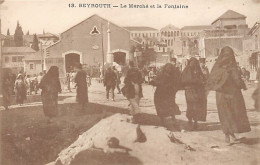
[102,47]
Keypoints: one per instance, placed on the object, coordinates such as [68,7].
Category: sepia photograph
[129,82]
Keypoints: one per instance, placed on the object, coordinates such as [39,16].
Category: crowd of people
[19,85]
[225,78]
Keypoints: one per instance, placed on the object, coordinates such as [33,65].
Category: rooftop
[169,27]
[200,27]
[18,50]
[230,14]
[140,28]
[34,56]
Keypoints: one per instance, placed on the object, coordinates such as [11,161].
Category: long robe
[226,80]
[192,80]
[82,87]
[166,88]
[20,91]
[50,85]
[231,105]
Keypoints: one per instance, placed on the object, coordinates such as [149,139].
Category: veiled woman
[50,85]
[193,81]
[164,96]
[226,81]
[20,89]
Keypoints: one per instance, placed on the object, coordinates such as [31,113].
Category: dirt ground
[29,138]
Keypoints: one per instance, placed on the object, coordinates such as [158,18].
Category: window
[19,59]
[177,33]
[94,31]
[6,59]
[31,66]
[14,59]
[171,33]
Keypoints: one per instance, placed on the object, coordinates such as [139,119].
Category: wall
[211,45]
[78,38]
[224,22]
[37,67]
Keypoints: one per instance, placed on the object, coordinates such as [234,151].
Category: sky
[56,16]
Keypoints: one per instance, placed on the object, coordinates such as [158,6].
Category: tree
[28,33]
[18,35]
[8,32]
[35,44]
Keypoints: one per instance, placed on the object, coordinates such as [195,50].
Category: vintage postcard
[129,82]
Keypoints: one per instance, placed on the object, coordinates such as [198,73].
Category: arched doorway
[71,60]
[120,58]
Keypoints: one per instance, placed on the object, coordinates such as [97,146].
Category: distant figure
[68,81]
[118,81]
[39,77]
[20,89]
[28,84]
[225,79]
[192,80]
[256,93]
[110,82]
[82,86]
[204,92]
[35,85]
[164,96]
[151,74]
[133,90]
[7,89]
[50,85]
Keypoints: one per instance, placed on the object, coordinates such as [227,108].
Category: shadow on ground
[95,157]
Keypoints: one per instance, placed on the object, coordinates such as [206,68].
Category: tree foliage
[18,36]
[35,44]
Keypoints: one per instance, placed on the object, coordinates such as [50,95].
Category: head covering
[51,78]
[78,65]
[53,73]
[173,59]
[192,73]
[19,76]
[220,72]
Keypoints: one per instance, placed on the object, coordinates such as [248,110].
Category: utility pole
[102,47]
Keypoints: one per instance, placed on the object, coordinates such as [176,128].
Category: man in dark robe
[226,80]
[110,82]
[82,87]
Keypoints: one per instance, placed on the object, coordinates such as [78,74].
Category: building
[230,20]
[33,63]
[144,35]
[90,42]
[171,36]
[227,30]
[13,57]
[251,46]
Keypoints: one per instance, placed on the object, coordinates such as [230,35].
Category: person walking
[20,89]
[7,89]
[81,86]
[164,96]
[225,79]
[110,82]
[50,85]
[192,80]
[256,93]
[118,81]
[204,92]
[133,90]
